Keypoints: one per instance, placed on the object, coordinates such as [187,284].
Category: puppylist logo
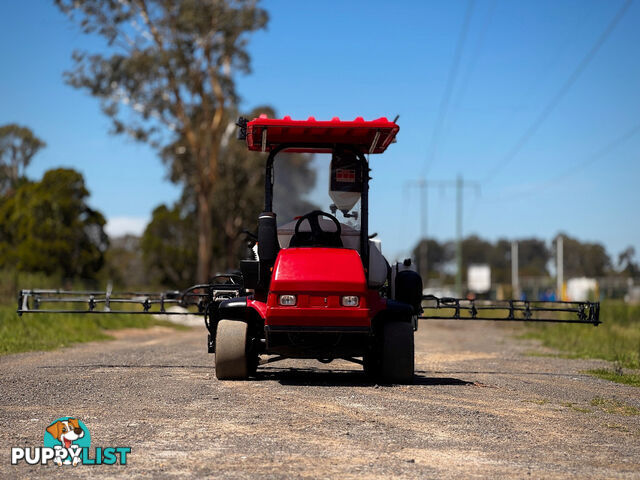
[66,442]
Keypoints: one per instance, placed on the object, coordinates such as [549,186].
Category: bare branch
[173,84]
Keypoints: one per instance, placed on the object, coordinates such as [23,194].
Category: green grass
[618,377]
[616,340]
[614,406]
[617,426]
[49,331]
[575,407]
[537,401]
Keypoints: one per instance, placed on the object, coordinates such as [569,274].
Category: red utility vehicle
[318,286]
[317,281]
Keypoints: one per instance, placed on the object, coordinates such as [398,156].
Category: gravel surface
[479,407]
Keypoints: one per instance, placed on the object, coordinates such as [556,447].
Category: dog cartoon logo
[68,436]
[66,442]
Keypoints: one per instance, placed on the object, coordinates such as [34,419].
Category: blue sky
[373,58]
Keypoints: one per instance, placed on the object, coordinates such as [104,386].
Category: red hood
[318,270]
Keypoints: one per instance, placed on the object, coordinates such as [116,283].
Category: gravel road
[480,407]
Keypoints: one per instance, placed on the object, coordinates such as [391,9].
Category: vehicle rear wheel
[397,352]
[372,361]
[371,364]
[232,362]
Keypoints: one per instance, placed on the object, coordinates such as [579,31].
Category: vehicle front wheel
[232,362]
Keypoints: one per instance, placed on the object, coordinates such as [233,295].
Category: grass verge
[616,340]
[614,406]
[49,331]
[618,377]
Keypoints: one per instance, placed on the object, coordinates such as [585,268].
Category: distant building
[581,289]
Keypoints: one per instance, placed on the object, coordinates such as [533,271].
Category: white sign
[479,278]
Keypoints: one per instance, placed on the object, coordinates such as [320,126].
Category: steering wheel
[316,237]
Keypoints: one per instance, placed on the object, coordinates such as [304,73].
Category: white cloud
[118,226]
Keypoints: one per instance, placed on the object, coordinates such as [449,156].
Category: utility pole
[459,197]
[423,250]
[424,247]
[559,267]
[459,185]
[515,282]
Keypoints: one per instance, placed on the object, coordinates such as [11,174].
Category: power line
[604,151]
[446,97]
[555,100]
[542,74]
[464,84]
[601,153]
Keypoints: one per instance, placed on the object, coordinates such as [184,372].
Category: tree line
[535,258]
[48,226]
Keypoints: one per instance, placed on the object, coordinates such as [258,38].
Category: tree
[500,261]
[437,255]
[123,265]
[239,193]
[171,67]
[18,145]
[533,256]
[583,259]
[168,246]
[627,265]
[48,227]
[475,250]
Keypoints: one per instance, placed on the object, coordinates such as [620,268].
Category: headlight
[287,300]
[350,301]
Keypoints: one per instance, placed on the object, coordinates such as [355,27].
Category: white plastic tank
[345,180]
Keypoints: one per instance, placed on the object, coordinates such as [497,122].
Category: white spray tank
[345,180]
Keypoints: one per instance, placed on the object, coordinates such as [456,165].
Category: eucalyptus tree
[18,145]
[167,72]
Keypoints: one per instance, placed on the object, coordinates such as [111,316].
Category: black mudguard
[395,312]
[235,309]
[399,309]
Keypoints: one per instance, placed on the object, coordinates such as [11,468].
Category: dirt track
[479,407]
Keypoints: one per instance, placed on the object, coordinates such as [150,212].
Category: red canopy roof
[264,134]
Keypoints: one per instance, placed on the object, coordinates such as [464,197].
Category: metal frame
[364,198]
[510,310]
[199,296]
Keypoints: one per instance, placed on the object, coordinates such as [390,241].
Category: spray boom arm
[200,298]
[510,310]
[197,298]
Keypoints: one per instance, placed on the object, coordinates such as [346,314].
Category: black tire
[232,362]
[371,365]
[253,361]
[397,364]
